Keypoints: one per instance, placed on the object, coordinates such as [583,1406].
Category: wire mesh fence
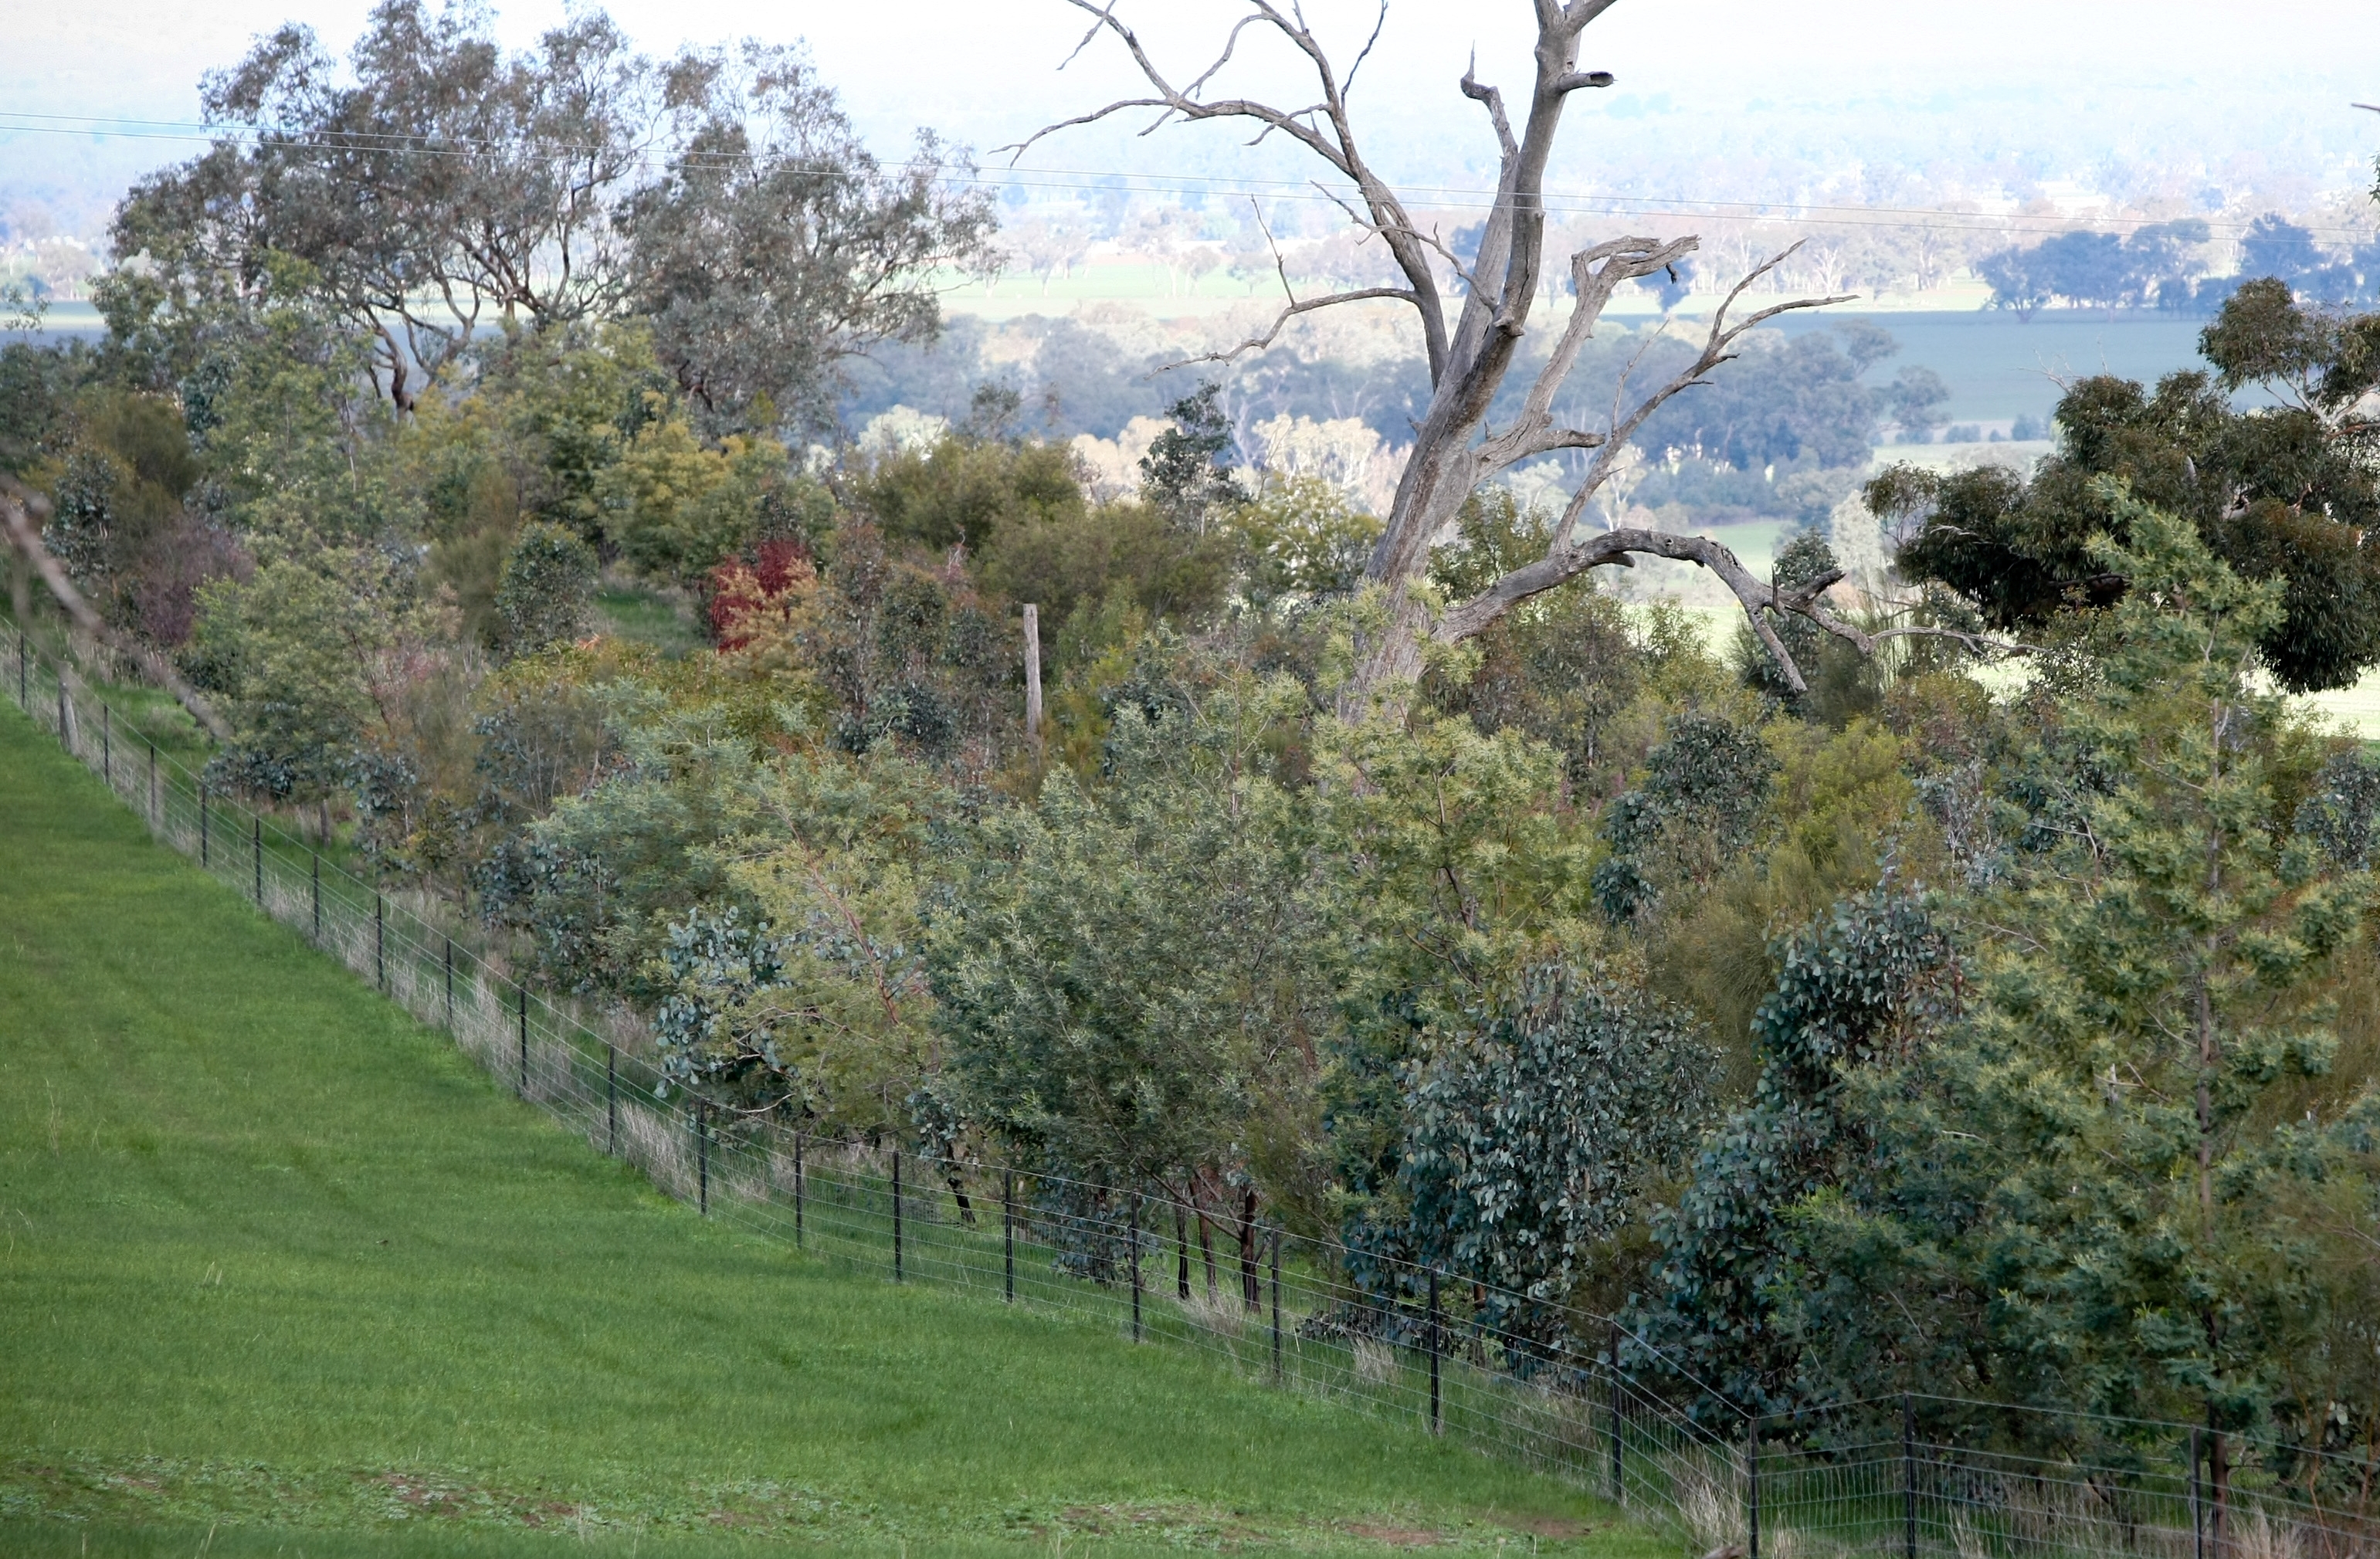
[1555,1391]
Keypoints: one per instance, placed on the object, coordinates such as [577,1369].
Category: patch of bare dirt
[1396,1537]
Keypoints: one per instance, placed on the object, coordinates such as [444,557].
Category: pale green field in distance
[1999,368]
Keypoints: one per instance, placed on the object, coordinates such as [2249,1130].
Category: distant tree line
[2163,266]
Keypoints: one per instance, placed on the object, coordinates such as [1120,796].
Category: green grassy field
[636,611]
[283,1272]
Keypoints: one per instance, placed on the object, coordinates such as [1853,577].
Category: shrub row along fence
[1569,1393]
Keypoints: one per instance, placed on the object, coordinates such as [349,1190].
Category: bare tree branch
[1596,273]
[1617,547]
[1494,101]
[1308,306]
[1716,350]
[1365,52]
[1429,240]
[1332,140]
[1294,308]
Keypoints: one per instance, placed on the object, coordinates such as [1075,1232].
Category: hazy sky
[1711,91]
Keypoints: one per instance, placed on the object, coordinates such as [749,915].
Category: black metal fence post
[1619,1488]
[1752,1479]
[800,1174]
[22,697]
[1008,1235]
[1134,1260]
[380,941]
[897,1273]
[450,985]
[1437,1419]
[702,1158]
[107,745]
[1908,1478]
[1276,1306]
[256,849]
[522,1005]
[612,1126]
[318,895]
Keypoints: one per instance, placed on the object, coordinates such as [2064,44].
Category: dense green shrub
[546,593]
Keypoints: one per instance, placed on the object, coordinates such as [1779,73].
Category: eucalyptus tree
[438,188]
[1473,308]
[2286,490]
[441,188]
[775,244]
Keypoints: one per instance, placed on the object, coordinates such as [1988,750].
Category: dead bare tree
[1455,450]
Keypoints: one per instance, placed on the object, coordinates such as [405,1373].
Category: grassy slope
[276,1257]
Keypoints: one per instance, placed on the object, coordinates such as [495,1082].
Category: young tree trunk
[2218,1464]
[1182,1250]
[1250,1291]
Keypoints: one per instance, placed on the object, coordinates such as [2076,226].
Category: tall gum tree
[1473,339]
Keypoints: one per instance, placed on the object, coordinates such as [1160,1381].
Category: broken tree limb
[16,508]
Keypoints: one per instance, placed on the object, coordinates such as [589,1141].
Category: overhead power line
[1095,181]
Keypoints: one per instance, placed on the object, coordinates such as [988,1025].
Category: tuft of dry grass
[1376,1361]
